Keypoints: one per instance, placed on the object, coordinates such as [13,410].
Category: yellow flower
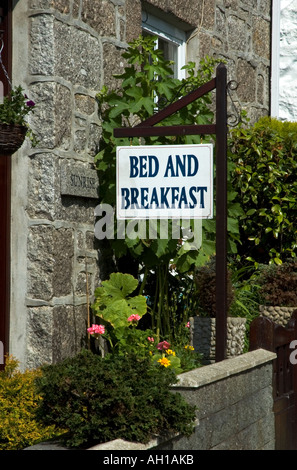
[164,362]
[170,352]
[189,347]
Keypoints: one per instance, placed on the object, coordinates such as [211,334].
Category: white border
[206,173]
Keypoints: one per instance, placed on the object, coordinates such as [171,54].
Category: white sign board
[168,181]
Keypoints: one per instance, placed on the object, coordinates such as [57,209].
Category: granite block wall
[238,32]
[235,404]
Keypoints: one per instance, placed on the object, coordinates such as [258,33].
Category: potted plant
[278,291]
[204,323]
[13,126]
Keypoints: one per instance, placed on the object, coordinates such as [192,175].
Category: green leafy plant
[120,314]
[246,302]
[19,400]
[264,175]
[113,300]
[100,399]
[180,357]
[15,108]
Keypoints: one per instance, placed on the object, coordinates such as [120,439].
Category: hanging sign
[168,181]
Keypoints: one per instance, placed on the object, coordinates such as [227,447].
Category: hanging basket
[12,137]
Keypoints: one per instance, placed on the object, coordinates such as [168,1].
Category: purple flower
[30,103]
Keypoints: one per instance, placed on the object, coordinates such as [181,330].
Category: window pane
[170,53]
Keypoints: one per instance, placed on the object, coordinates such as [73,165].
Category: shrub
[100,399]
[18,402]
[264,174]
[279,284]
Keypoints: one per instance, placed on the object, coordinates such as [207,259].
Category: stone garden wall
[64,51]
[279,315]
[203,336]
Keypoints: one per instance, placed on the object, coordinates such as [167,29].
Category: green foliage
[278,284]
[14,109]
[114,306]
[181,358]
[264,174]
[100,399]
[125,334]
[19,400]
[113,302]
[246,303]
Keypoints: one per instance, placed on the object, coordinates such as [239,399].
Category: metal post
[221,212]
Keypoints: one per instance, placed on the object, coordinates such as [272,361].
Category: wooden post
[221,213]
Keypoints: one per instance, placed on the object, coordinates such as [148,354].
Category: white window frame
[160,28]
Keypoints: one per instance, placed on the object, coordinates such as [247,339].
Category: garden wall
[235,407]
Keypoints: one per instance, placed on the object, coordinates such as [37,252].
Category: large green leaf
[113,301]
[120,284]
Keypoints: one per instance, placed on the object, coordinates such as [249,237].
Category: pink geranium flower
[163,345]
[151,340]
[96,330]
[133,317]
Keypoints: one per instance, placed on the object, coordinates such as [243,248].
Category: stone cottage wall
[236,31]
[63,53]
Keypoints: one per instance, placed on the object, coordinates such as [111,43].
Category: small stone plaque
[79,181]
